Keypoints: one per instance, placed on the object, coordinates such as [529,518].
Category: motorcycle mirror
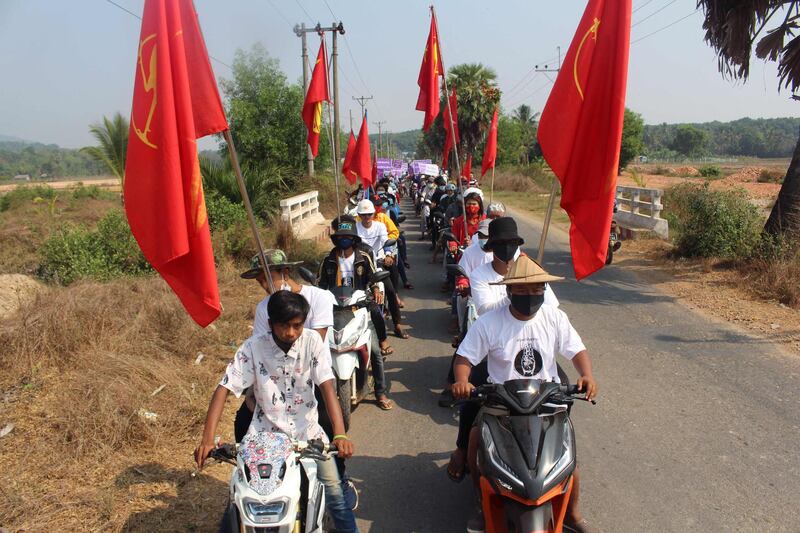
[307,275]
[379,276]
[449,236]
[457,269]
[401,219]
[390,243]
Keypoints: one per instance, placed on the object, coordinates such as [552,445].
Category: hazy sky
[66,63]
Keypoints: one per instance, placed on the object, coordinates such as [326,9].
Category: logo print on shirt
[528,361]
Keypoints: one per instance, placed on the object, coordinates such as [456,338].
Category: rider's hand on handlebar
[589,385]
[388,260]
[462,390]
[345,447]
[201,453]
[378,295]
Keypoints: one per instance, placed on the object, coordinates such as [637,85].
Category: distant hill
[404,141]
[18,156]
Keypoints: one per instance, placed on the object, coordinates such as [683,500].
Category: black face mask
[527,304]
[504,252]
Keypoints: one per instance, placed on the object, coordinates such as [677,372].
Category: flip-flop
[385,404]
[458,477]
[409,286]
[401,333]
[387,351]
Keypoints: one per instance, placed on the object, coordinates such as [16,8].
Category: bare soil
[16,290]
[104,182]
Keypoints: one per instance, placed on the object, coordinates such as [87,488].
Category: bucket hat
[503,229]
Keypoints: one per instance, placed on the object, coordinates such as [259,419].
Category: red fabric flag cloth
[361,165]
[317,93]
[348,157]
[467,170]
[175,101]
[581,127]
[428,81]
[448,137]
[490,152]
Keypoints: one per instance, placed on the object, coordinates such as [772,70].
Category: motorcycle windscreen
[264,456]
[342,294]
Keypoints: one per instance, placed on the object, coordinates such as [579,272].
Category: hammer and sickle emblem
[435,58]
[149,84]
[593,32]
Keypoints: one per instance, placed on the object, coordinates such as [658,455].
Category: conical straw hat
[526,270]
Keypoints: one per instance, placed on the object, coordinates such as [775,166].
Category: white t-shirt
[346,265]
[488,297]
[474,256]
[518,349]
[373,236]
[320,314]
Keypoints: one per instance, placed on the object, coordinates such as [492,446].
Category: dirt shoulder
[105,182]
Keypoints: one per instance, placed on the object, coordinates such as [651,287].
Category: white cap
[471,190]
[365,207]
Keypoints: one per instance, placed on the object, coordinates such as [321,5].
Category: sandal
[457,476]
[401,333]
[384,403]
[387,351]
[408,286]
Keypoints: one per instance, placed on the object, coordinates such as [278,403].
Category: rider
[291,351]
[473,203]
[350,266]
[495,210]
[502,335]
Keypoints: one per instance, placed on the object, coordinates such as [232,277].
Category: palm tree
[113,138]
[529,122]
[732,29]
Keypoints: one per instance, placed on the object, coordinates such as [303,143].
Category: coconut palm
[732,28]
[478,96]
[529,121]
[113,138]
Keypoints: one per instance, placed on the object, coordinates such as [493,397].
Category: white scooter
[465,306]
[274,485]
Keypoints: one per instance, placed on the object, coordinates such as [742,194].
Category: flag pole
[246,200]
[547,216]
[452,129]
[333,144]
[491,191]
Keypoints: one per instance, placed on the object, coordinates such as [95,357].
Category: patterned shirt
[283,383]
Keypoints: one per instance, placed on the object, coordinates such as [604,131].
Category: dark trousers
[391,301]
[469,410]
[378,321]
[378,373]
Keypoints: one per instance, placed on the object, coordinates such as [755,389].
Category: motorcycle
[465,307]
[274,485]
[526,454]
[614,243]
[352,340]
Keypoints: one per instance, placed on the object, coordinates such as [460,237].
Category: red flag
[317,93]
[490,152]
[361,164]
[175,101]
[467,170]
[429,73]
[448,137]
[581,127]
[348,157]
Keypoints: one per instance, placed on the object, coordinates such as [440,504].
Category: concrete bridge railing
[635,213]
[302,213]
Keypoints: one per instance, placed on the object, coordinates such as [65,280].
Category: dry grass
[774,279]
[77,368]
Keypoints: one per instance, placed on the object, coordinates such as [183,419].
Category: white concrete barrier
[630,205]
[301,212]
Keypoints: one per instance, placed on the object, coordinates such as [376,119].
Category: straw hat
[525,270]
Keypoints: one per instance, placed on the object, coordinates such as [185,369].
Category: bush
[93,191]
[24,194]
[107,252]
[710,171]
[771,176]
[708,223]
[222,213]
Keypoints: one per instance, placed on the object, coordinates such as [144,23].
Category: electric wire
[641,6]
[659,10]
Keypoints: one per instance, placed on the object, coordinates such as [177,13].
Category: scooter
[614,243]
[465,307]
[526,454]
[274,485]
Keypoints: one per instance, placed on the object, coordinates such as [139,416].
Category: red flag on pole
[490,152]
[317,93]
[361,165]
[348,158]
[375,169]
[175,102]
[448,136]
[581,127]
[467,169]
[429,73]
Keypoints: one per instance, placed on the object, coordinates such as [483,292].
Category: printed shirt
[521,349]
[283,383]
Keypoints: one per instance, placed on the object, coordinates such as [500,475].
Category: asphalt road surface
[697,425]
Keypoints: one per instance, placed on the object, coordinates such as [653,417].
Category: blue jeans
[343,518]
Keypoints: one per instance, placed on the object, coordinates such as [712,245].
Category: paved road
[697,426]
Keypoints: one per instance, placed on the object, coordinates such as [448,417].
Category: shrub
[107,252]
[222,213]
[710,171]
[93,191]
[24,194]
[770,176]
[708,223]
[235,241]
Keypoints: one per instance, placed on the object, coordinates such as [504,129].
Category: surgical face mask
[482,243]
[344,243]
[505,252]
[284,285]
[472,209]
[441,187]
[527,304]
[385,205]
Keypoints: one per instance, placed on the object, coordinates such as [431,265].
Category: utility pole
[300,30]
[380,123]
[351,120]
[337,27]
[362,100]
[546,69]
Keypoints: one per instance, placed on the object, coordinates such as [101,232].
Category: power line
[531,95]
[665,27]
[659,10]
[280,13]
[641,6]
[128,11]
[304,11]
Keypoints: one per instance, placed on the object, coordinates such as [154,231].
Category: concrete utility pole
[546,69]
[362,100]
[300,30]
[336,28]
[380,123]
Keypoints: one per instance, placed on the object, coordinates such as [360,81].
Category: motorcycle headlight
[494,457]
[566,458]
[265,513]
